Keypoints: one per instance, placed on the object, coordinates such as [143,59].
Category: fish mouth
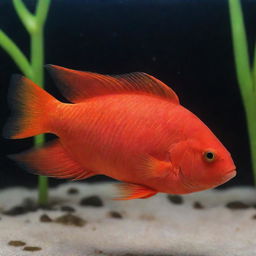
[229,175]
[197,187]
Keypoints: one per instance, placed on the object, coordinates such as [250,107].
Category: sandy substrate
[200,225]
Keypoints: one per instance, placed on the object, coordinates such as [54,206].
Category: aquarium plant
[32,67]
[246,74]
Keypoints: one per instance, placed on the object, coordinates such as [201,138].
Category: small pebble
[237,205]
[70,219]
[66,208]
[175,199]
[116,215]
[91,201]
[32,248]
[254,217]
[45,218]
[198,205]
[73,191]
[16,243]
[98,251]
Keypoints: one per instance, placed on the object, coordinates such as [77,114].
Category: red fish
[129,127]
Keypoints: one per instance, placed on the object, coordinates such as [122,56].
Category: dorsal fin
[77,86]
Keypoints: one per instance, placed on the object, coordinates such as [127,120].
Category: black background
[186,44]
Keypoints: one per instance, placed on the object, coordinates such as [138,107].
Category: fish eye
[209,156]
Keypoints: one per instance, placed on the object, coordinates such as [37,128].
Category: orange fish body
[130,127]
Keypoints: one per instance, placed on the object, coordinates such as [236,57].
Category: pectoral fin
[130,191]
[152,167]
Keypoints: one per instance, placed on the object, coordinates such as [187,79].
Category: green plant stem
[16,54]
[42,11]
[25,16]
[34,24]
[254,67]
[240,48]
[246,77]
[251,127]
[37,57]
[37,60]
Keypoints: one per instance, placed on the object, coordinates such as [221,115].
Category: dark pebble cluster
[198,205]
[27,206]
[175,199]
[72,191]
[178,200]
[94,201]
[115,215]
[232,205]
[18,243]
[32,248]
[237,205]
[70,219]
[66,208]
[45,218]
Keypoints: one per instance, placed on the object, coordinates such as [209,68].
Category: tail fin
[30,107]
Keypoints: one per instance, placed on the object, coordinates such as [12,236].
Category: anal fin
[51,160]
[130,191]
